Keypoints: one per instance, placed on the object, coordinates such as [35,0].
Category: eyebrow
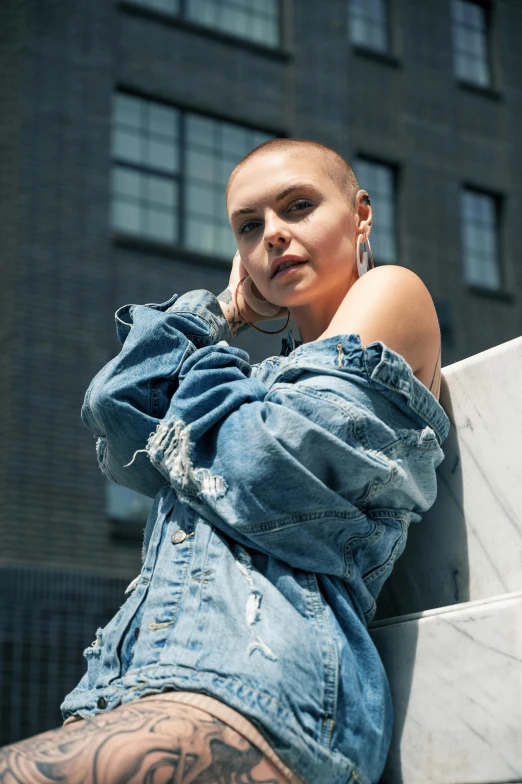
[279,197]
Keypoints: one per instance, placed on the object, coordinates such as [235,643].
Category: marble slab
[469,545]
[456,681]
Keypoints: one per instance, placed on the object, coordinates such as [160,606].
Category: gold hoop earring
[266,331]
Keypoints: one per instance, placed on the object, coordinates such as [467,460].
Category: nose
[276,232]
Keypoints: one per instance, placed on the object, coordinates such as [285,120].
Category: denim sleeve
[130,395]
[281,469]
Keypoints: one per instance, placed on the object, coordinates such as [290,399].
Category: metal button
[178,537]
[102,703]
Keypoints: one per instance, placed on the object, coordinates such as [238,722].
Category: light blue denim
[283,495]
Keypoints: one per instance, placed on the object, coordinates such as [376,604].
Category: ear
[363,213]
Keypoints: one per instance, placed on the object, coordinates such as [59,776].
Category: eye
[244,228]
[306,202]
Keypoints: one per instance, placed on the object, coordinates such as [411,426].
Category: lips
[282,260]
[289,266]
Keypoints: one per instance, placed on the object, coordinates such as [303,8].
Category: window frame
[178,247]
[364,47]
[137,8]
[489,87]
[498,210]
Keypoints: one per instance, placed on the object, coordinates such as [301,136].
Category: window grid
[480,239]
[179,198]
[254,20]
[379,180]
[369,24]
[145,175]
[470,43]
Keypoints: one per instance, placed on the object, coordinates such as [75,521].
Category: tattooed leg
[151,742]
[231,313]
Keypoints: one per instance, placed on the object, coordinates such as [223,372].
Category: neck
[314,318]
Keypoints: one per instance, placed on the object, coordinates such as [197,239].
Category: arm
[130,395]
[284,470]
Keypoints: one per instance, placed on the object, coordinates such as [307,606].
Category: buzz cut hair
[334,164]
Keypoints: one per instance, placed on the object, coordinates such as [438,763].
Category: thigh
[150,741]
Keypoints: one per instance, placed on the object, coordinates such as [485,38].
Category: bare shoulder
[392,304]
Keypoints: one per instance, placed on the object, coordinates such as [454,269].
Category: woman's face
[314,222]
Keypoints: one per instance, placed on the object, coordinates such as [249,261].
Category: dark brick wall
[12,39]
[47,618]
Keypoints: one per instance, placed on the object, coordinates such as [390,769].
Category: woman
[283,494]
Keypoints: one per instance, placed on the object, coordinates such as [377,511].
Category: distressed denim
[283,492]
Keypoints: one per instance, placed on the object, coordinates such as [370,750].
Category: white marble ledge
[469,544]
[456,681]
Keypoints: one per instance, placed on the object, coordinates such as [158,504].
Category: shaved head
[334,164]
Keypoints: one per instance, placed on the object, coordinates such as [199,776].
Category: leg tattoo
[141,743]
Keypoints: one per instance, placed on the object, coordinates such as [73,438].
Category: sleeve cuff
[204,303]
[199,302]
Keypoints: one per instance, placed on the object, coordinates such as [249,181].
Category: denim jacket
[283,492]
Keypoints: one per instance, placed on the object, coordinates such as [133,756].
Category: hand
[228,303]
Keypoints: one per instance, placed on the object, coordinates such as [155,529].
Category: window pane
[479,239]
[200,200]
[199,165]
[126,506]
[249,20]
[204,11]
[200,236]
[126,182]
[162,121]
[480,72]
[127,111]
[368,23]
[199,131]
[160,191]
[159,224]
[126,146]
[262,30]
[223,171]
[470,48]
[126,216]
[235,140]
[171,6]
[145,203]
[225,243]
[234,21]
[161,155]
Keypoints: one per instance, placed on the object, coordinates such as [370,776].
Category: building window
[146,168]
[379,180]
[126,506]
[470,42]
[253,20]
[170,171]
[368,24]
[480,239]
[167,6]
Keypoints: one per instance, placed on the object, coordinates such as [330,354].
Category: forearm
[236,322]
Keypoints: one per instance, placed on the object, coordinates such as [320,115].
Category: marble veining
[456,681]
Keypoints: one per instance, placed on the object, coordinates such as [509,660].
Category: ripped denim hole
[243,562]
[169,448]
